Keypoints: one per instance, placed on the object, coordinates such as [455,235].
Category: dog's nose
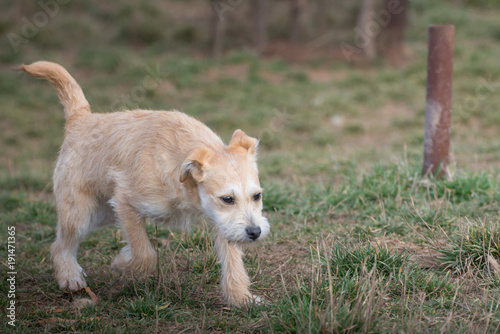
[253,232]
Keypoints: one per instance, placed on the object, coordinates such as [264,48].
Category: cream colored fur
[167,167]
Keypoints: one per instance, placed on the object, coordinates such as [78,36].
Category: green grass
[342,285]
[472,248]
[360,241]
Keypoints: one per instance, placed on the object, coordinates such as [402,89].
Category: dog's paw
[142,265]
[253,299]
[257,300]
[248,300]
[72,283]
[122,261]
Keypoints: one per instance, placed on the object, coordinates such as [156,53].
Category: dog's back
[99,149]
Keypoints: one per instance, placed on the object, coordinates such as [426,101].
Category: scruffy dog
[165,166]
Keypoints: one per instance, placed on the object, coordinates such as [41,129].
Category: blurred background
[317,88]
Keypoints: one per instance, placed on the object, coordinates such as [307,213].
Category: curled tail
[68,90]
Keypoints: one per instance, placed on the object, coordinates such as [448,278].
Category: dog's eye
[257,197]
[227,199]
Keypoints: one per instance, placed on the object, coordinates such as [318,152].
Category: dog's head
[229,188]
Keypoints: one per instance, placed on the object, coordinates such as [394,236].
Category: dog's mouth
[242,232]
[242,240]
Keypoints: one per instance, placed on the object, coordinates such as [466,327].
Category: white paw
[72,283]
[70,277]
[122,261]
[141,265]
[248,300]
[256,300]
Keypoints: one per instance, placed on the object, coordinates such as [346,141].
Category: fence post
[438,100]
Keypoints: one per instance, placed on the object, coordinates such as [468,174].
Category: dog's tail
[68,90]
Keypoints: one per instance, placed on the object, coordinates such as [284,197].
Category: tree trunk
[293,28]
[219,32]
[260,33]
[321,15]
[392,38]
[362,30]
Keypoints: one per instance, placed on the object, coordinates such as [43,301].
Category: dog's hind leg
[138,256]
[234,278]
[75,211]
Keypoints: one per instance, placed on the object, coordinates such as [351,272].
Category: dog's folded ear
[195,164]
[243,143]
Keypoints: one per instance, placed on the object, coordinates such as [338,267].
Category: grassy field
[360,241]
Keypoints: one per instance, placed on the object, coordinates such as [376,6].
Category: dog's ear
[243,143]
[195,164]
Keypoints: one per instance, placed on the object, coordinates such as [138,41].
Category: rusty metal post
[438,101]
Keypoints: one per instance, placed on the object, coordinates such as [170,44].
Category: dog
[164,166]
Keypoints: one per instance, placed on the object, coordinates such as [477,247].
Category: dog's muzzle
[253,232]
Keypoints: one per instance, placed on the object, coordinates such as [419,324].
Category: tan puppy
[164,166]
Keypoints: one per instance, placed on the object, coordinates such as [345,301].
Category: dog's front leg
[234,278]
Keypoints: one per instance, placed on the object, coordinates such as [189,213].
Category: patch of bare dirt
[272,77]
[22,227]
[41,196]
[300,53]
[324,75]
[423,255]
[238,72]
[281,262]
[374,127]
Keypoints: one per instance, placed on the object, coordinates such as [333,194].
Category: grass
[475,248]
[360,241]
